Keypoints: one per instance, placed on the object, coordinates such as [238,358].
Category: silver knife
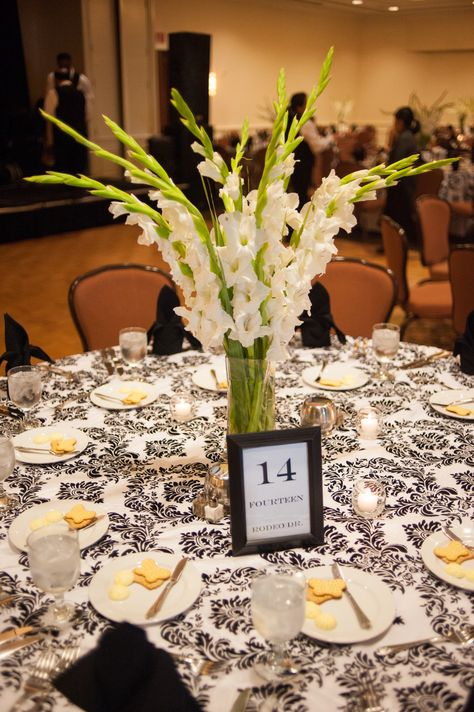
[362,619]
[8,648]
[14,633]
[178,570]
[454,537]
[241,701]
[427,360]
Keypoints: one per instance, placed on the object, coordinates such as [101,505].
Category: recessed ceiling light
[393,8]
[361,2]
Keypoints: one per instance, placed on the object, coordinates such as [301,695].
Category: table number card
[275,490]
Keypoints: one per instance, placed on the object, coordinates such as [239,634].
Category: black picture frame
[243,479]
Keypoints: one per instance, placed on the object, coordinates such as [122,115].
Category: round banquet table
[145,469]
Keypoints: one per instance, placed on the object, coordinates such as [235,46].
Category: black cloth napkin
[168,331]
[18,348]
[464,346]
[126,673]
[316,327]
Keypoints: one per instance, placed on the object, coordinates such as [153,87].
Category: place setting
[449,554]
[454,403]
[212,376]
[335,377]
[49,444]
[91,521]
[145,588]
[124,395]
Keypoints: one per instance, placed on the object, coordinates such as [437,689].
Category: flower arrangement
[245,278]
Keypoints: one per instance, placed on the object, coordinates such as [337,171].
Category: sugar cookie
[63,445]
[149,575]
[454,552]
[321,590]
[78,517]
[134,397]
[458,410]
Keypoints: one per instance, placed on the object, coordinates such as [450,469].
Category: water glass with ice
[54,558]
[278,607]
[7,464]
[133,344]
[24,390]
[385,343]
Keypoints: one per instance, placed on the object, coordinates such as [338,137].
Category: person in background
[400,198]
[64,64]
[458,189]
[311,146]
[67,103]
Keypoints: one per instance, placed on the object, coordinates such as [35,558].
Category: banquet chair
[430,299]
[428,183]
[461,275]
[113,297]
[361,294]
[434,217]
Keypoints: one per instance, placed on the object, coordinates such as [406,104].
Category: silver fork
[201,666]
[460,636]
[370,697]
[67,657]
[38,683]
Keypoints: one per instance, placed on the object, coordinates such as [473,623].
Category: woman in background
[400,198]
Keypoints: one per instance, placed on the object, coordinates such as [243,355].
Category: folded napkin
[126,673]
[18,348]
[316,327]
[464,346]
[168,330]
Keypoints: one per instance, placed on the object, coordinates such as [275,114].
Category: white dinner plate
[20,527]
[370,592]
[203,377]
[352,377]
[133,609]
[436,565]
[446,397]
[63,430]
[119,389]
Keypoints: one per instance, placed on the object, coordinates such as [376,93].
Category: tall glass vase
[251,395]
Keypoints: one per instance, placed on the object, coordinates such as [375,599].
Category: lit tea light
[368,498]
[182,407]
[367,501]
[369,423]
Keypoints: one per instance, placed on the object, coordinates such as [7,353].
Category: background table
[147,468]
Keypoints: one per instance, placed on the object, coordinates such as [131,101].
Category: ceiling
[381,6]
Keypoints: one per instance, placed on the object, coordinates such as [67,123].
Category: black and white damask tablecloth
[146,469]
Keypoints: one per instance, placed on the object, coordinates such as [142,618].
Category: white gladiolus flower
[232,186]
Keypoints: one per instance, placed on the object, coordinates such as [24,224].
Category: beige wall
[101,66]
[378,60]
[49,27]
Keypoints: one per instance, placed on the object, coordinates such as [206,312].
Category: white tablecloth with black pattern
[147,468]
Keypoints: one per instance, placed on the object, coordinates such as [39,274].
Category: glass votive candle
[368,498]
[369,423]
[319,411]
[182,407]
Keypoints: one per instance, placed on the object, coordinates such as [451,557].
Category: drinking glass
[133,344]
[7,463]
[278,607]
[24,390]
[385,343]
[54,558]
